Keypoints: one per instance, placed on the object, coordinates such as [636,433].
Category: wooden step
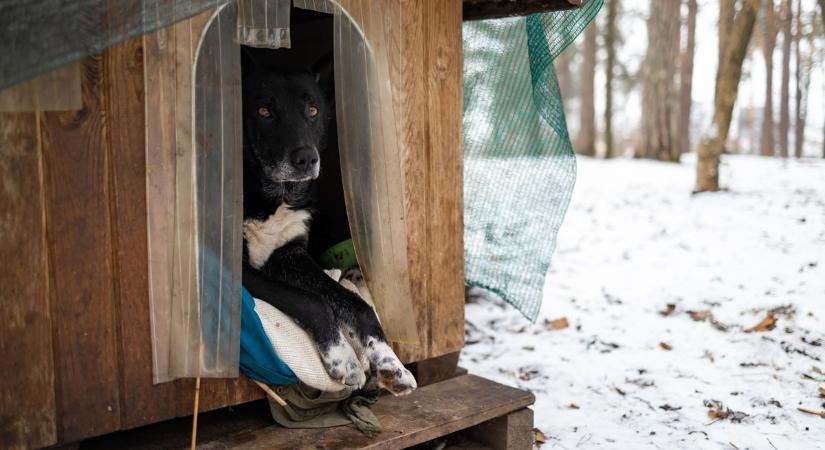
[430,412]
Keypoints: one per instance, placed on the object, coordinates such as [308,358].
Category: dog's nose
[304,158]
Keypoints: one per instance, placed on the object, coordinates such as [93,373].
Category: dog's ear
[323,70]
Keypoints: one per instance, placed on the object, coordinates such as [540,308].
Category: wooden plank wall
[74,312]
[76,155]
[426,72]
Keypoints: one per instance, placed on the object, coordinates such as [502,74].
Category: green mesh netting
[519,166]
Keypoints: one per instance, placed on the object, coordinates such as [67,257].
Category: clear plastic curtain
[195,188]
[263,23]
[372,165]
[519,166]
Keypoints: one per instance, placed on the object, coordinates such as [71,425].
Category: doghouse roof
[490,9]
[39,36]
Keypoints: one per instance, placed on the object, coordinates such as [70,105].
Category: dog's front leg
[292,265]
[316,317]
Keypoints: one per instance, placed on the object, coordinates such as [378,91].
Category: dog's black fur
[286,117]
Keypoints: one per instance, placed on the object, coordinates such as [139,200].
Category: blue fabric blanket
[258,358]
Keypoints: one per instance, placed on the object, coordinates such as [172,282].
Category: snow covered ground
[630,371]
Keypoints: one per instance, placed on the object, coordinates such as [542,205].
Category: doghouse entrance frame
[195,241]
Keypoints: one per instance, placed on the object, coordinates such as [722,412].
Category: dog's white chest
[265,236]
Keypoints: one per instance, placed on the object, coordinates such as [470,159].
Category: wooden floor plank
[429,412]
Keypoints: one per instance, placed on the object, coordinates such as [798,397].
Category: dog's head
[285,115]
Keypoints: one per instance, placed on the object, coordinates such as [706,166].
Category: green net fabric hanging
[519,166]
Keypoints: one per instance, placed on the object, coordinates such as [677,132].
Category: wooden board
[143,401]
[57,90]
[27,404]
[83,307]
[443,60]
[510,432]
[432,411]
[426,76]
[493,9]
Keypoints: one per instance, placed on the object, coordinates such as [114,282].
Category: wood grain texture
[409,83]
[57,90]
[27,403]
[443,61]
[427,413]
[426,74]
[83,308]
[143,402]
[510,432]
[159,93]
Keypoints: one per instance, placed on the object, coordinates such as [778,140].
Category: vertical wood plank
[27,403]
[142,401]
[443,61]
[159,76]
[408,76]
[79,234]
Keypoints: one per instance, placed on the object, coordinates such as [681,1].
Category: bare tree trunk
[822,16]
[799,123]
[784,97]
[727,8]
[767,144]
[586,140]
[686,79]
[712,145]
[609,69]
[658,90]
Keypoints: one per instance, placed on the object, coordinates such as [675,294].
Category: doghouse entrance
[311,49]
[194,193]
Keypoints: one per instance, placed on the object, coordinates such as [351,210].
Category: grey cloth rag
[308,407]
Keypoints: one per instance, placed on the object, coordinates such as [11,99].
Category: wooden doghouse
[76,217]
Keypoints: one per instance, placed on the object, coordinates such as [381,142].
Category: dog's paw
[392,375]
[342,364]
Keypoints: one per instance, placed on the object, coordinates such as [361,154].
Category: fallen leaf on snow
[767,324]
[666,346]
[700,316]
[718,411]
[573,406]
[540,436]
[669,308]
[812,412]
[558,324]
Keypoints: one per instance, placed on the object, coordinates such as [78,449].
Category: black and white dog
[286,115]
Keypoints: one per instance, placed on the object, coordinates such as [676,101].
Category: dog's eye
[313,111]
[264,112]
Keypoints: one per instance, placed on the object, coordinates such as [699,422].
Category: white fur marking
[264,237]
[399,381]
[348,367]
